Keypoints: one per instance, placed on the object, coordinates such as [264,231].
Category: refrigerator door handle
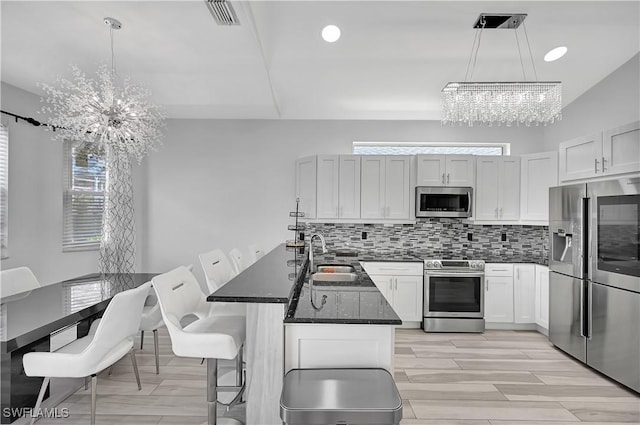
[581,311]
[589,310]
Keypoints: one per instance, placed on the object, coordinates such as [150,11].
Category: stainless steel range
[453,295]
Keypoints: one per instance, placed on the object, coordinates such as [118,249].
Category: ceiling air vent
[222,12]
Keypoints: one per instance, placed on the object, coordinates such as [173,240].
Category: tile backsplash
[456,237]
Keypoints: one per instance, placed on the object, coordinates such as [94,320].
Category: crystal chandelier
[524,102]
[108,112]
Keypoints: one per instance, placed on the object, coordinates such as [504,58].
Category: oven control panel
[459,265]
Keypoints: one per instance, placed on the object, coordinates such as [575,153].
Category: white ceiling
[391,62]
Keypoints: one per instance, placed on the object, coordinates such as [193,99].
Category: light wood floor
[495,378]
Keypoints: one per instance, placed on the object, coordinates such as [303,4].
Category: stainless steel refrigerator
[594,292]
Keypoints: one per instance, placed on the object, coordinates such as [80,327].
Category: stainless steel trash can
[340,396]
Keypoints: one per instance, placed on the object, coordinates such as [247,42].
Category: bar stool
[15,281]
[212,335]
[111,340]
[217,269]
[255,253]
[237,259]
[151,320]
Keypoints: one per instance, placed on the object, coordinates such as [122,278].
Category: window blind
[4,191]
[83,197]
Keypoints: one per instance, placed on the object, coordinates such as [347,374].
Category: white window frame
[505,147]
[4,191]
[81,231]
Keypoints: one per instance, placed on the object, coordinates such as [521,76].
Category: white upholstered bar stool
[217,269]
[15,281]
[237,259]
[255,253]
[151,320]
[88,356]
[209,334]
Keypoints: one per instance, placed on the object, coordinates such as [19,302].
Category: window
[83,198]
[4,191]
[412,148]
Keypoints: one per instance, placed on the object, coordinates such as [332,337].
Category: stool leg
[239,368]
[155,345]
[43,389]
[212,390]
[94,390]
[141,339]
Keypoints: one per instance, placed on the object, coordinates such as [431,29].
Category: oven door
[615,233]
[454,294]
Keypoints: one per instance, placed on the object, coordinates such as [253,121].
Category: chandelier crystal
[108,112]
[501,103]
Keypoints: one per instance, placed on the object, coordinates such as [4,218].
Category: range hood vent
[222,12]
[499,20]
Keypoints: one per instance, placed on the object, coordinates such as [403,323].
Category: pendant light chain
[535,74]
[114,73]
[475,56]
[473,46]
[524,75]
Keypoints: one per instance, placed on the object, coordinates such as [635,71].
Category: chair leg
[155,346]
[36,409]
[110,370]
[94,391]
[135,368]
[141,339]
[86,383]
[239,368]
[212,391]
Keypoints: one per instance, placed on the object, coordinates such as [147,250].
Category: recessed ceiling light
[555,54]
[330,33]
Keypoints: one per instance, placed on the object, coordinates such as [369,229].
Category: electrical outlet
[504,237]
[469,236]
[364,235]
[301,236]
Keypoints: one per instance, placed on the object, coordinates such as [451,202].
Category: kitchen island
[353,328]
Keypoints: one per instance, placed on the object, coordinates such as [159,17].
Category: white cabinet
[402,286]
[306,185]
[498,300]
[542,296]
[610,152]
[524,293]
[539,173]
[338,186]
[497,195]
[446,170]
[385,189]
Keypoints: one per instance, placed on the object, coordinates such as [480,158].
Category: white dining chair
[151,320]
[111,340]
[17,280]
[217,269]
[237,259]
[255,253]
[212,335]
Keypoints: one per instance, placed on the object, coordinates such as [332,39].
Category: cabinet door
[372,188]
[460,170]
[385,286]
[330,307]
[306,185]
[524,293]
[348,304]
[397,187]
[486,194]
[542,296]
[327,186]
[407,297]
[349,187]
[580,158]
[509,185]
[621,149]
[431,170]
[371,304]
[498,301]
[539,173]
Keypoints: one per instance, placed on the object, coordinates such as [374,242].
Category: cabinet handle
[486,285]
[597,162]
[447,178]
[442,178]
[603,161]
[496,212]
[500,212]
[517,274]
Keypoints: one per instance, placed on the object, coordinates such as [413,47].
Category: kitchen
[211,157]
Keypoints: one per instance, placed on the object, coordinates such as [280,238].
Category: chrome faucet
[324,248]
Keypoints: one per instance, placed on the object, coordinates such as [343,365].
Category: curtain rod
[30,120]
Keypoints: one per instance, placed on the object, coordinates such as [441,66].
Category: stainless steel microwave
[434,201]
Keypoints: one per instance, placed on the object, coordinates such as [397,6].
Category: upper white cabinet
[385,187]
[611,152]
[338,186]
[306,185]
[539,173]
[446,170]
[497,194]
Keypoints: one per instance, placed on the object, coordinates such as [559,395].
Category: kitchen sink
[334,277]
[335,268]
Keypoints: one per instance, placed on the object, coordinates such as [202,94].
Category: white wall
[35,196]
[612,102]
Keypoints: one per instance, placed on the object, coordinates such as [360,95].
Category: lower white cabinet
[524,292]
[498,300]
[402,286]
[542,296]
